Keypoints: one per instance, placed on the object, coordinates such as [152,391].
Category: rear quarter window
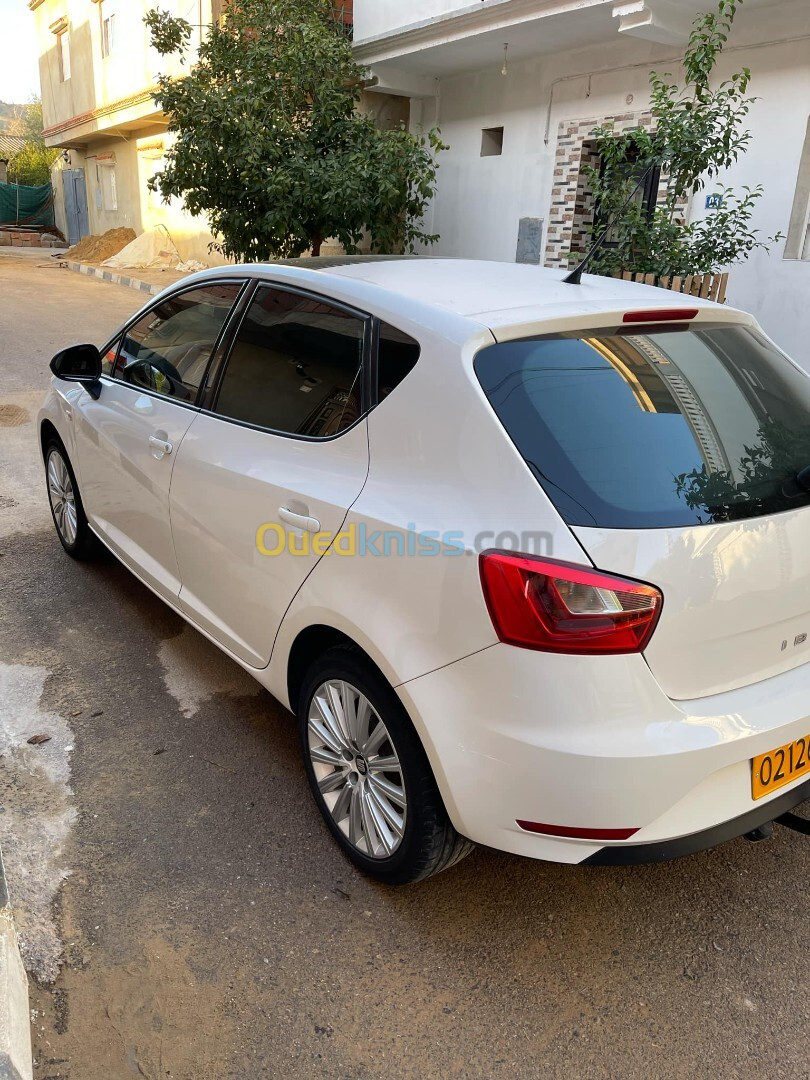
[397,353]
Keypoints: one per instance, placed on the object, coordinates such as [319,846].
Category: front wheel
[370,775]
[69,518]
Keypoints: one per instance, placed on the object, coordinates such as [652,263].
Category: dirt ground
[206,927]
[95,249]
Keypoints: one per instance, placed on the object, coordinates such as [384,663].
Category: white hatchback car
[529,560]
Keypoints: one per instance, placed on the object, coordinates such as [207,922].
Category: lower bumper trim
[630,854]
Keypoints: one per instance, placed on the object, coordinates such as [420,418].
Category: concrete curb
[114,279]
[15,1021]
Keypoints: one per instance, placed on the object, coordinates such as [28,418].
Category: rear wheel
[69,518]
[369,773]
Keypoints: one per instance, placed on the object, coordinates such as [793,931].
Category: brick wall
[345,11]
[19,238]
[571,212]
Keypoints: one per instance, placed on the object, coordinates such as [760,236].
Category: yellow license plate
[778,767]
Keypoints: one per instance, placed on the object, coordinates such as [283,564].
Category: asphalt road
[187,916]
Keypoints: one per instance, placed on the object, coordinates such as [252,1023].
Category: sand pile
[95,249]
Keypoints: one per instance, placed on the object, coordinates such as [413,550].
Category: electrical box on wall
[530,240]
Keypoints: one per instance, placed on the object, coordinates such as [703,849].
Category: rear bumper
[632,854]
[595,744]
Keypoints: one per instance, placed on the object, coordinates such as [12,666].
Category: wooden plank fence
[707,286]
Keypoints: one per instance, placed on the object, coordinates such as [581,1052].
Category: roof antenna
[575,277]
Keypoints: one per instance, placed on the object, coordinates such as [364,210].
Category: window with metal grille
[646,196]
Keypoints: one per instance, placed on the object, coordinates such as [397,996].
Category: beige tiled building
[97,71]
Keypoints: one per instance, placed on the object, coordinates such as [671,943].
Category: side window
[108,359]
[396,355]
[295,367]
[167,349]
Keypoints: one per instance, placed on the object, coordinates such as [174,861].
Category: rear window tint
[658,429]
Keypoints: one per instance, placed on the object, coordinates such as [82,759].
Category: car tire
[69,518]
[391,823]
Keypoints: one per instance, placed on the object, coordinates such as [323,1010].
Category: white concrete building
[518,139]
[97,72]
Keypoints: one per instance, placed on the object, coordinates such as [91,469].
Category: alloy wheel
[357,769]
[62,498]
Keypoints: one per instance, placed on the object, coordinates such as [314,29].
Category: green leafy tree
[270,144]
[764,481]
[31,165]
[698,130]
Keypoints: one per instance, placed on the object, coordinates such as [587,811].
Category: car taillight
[560,607]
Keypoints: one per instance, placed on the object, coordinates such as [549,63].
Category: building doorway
[76,216]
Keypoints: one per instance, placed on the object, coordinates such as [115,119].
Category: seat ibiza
[529,560]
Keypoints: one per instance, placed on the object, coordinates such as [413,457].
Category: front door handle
[160,445]
[299,521]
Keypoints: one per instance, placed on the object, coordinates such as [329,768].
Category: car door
[280,456]
[127,438]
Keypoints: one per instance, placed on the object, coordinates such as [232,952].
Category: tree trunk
[317,240]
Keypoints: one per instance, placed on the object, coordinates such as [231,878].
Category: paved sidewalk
[15,1029]
[150,282]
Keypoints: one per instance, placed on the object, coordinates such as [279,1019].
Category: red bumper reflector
[576,833]
[660,315]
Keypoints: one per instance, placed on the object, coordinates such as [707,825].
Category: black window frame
[368,389]
[234,313]
[378,322]
[220,354]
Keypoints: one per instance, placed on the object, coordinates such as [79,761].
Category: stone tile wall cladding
[571,212]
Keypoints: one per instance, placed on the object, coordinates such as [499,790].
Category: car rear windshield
[660,428]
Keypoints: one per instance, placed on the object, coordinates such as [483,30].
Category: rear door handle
[299,521]
[160,444]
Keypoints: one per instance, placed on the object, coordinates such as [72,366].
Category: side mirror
[81,364]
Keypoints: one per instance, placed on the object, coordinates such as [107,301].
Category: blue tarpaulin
[26,205]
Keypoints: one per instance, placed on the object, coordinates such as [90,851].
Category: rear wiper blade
[798,484]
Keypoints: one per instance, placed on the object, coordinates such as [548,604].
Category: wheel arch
[47,433]
[312,642]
